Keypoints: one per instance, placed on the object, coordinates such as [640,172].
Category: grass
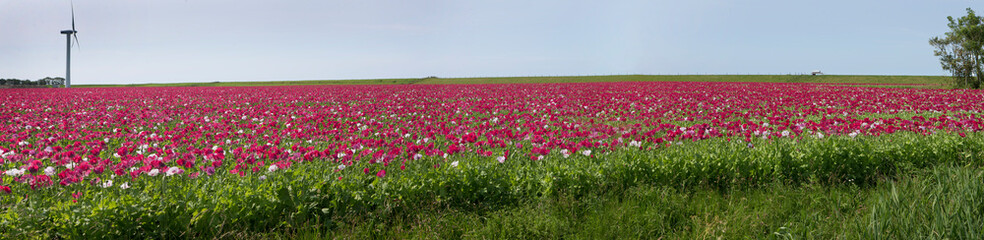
[943,202]
[650,212]
[933,81]
[835,187]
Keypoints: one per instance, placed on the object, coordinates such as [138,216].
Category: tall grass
[786,187]
[945,203]
[942,202]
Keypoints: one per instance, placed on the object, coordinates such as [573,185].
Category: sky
[163,41]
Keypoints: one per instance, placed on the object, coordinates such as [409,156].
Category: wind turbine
[68,51]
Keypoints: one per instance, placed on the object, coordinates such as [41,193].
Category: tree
[12,81]
[961,50]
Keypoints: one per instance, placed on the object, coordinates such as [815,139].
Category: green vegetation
[932,81]
[894,186]
[938,203]
[24,83]
[961,50]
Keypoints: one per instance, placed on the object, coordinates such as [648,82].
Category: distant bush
[24,83]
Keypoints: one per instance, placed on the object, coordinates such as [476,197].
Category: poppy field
[192,162]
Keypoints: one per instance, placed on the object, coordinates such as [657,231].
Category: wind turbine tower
[68,50]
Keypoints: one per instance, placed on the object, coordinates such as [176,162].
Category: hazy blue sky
[127,41]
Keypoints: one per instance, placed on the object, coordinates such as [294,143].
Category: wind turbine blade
[73,16]
[77,44]
[74,32]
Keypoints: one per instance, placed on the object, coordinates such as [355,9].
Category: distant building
[816,72]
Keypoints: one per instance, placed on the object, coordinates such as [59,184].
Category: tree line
[47,81]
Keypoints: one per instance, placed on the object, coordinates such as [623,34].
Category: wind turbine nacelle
[68,32]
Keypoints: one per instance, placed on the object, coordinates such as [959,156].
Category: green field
[888,187]
[895,186]
[933,81]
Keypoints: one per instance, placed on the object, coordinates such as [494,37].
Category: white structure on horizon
[816,72]
[68,49]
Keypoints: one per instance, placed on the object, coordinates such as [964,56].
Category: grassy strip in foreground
[314,198]
[935,81]
[943,202]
